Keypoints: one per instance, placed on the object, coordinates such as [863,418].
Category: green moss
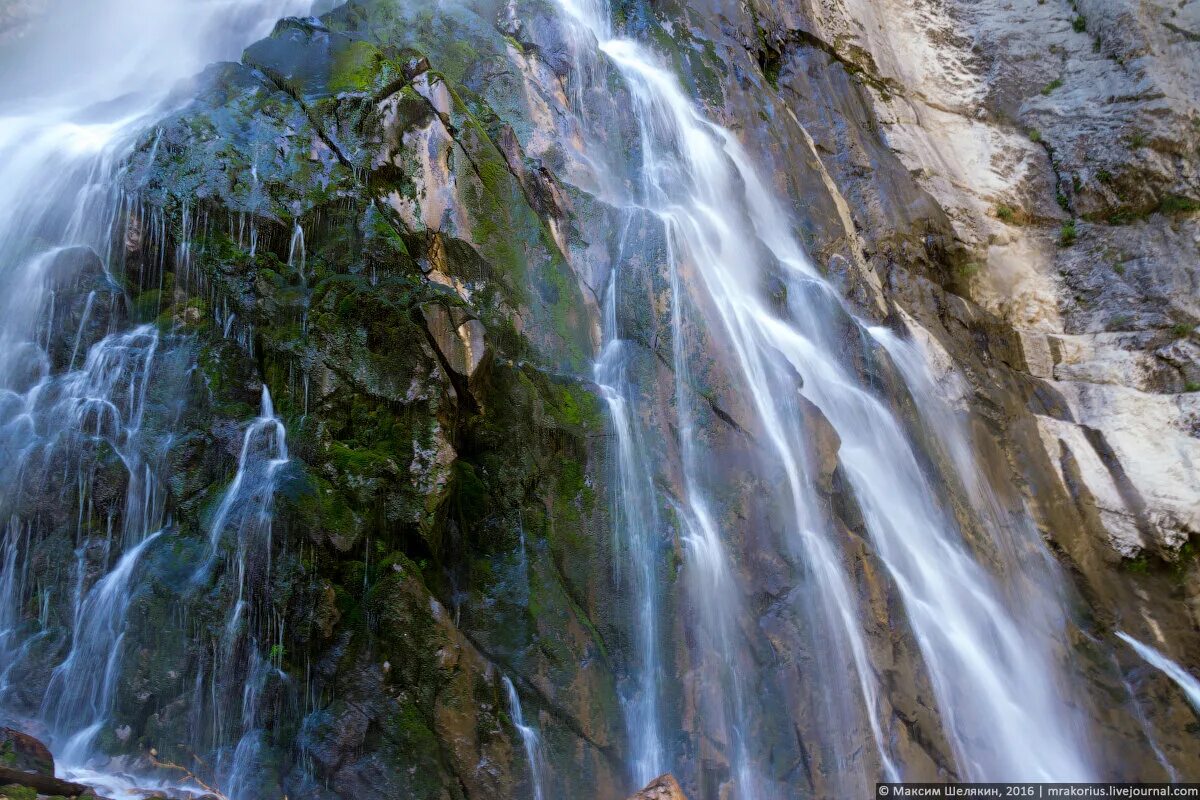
[1191,386]
[457,60]
[1174,204]
[1051,86]
[355,67]
[1035,135]
[771,67]
[967,269]
[468,500]
[1079,24]
[578,407]
[1184,559]
[1120,321]
[15,792]
[1138,566]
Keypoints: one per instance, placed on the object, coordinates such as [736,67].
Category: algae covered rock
[23,752]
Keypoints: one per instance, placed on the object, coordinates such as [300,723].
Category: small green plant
[1139,565]
[1005,213]
[1062,201]
[1051,86]
[1035,135]
[1192,386]
[967,269]
[1119,269]
[276,654]
[1136,139]
[1079,24]
[1120,322]
[1174,204]
[1067,234]
[1180,330]
[1104,176]
[1076,183]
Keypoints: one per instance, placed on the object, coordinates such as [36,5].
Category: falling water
[994,680]
[1186,681]
[82,687]
[246,505]
[529,739]
[1139,715]
[243,521]
[79,89]
[635,520]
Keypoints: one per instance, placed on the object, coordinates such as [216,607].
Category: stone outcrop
[664,787]
[24,753]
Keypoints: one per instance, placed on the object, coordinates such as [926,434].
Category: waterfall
[79,89]
[994,679]
[79,698]
[246,504]
[243,518]
[1185,680]
[530,739]
[636,524]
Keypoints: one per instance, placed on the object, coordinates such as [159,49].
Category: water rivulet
[507,399]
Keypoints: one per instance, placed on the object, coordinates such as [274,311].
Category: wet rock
[20,751]
[85,304]
[664,787]
[43,784]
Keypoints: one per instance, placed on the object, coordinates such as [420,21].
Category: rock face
[1061,143]
[664,787]
[22,752]
[382,216]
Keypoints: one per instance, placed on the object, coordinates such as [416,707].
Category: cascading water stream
[994,681]
[79,90]
[241,670]
[1186,681]
[82,687]
[636,523]
[530,739]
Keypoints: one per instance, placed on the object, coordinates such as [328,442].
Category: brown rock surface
[22,752]
[664,787]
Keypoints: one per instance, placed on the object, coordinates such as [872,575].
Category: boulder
[43,784]
[664,787]
[22,752]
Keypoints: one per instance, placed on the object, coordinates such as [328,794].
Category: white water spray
[993,680]
[529,739]
[1186,681]
[80,88]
